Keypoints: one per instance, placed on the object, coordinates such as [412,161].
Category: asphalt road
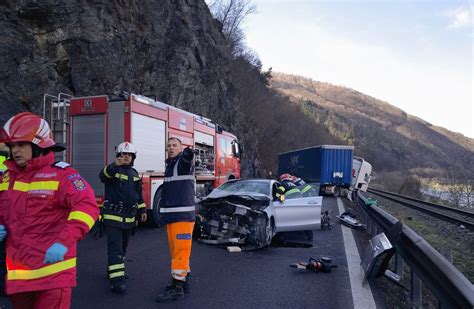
[254,279]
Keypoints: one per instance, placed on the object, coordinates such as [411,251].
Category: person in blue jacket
[177,211]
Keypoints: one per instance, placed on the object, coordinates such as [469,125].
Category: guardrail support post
[397,274]
[399,266]
[416,290]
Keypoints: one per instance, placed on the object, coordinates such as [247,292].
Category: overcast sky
[416,55]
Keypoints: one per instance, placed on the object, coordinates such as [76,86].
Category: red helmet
[285,176]
[27,127]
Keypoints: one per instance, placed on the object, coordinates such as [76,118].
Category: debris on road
[349,219]
[322,264]
[234,249]
[326,220]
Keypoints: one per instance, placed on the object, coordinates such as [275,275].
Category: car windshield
[244,186]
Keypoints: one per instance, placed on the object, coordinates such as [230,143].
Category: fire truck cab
[92,127]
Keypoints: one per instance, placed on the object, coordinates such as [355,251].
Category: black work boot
[118,287]
[174,292]
[186,284]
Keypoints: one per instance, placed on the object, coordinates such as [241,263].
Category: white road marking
[361,294]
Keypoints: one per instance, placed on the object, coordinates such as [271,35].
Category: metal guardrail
[427,266]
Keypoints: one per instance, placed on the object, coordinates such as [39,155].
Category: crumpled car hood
[251,200]
[232,219]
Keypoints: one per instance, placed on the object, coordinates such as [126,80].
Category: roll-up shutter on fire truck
[88,140]
[149,138]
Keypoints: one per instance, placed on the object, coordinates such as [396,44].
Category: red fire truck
[92,127]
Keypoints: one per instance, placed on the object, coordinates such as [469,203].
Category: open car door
[298,214]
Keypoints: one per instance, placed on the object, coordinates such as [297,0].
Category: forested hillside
[384,135]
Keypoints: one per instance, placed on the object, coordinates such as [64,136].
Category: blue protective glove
[55,253]
[3,232]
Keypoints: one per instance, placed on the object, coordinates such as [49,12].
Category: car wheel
[270,228]
[156,209]
[265,233]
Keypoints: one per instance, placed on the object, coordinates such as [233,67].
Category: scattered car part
[349,219]
[234,249]
[326,220]
[322,264]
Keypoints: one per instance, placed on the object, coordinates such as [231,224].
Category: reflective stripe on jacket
[177,199]
[40,205]
[306,190]
[3,167]
[291,190]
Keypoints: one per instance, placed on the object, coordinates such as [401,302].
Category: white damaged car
[249,212]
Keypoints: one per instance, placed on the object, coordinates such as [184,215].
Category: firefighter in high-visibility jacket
[3,157]
[294,190]
[4,153]
[122,206]
[177,211]
[46,207]
[291,190]
[305,189]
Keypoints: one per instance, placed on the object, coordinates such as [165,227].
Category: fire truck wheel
[155,212]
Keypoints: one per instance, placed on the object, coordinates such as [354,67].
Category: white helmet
[126,147]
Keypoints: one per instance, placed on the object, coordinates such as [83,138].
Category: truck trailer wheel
[337,191]
[155,212]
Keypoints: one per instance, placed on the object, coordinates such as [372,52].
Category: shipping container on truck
[93,126]
[329,166]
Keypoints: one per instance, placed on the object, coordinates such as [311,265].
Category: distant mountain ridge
[384,135]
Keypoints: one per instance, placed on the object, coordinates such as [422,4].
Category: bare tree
[460,180]
[232,13]
[466,175]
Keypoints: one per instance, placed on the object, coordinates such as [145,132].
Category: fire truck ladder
[58,118]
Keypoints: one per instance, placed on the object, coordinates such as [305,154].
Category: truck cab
[361,171]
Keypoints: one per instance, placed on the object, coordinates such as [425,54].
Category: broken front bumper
[224,222]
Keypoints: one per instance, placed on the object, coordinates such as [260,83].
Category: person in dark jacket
[123,203]
[291,190]
[305,189]
[177,211]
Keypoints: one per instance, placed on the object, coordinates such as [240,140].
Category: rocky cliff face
[171,49]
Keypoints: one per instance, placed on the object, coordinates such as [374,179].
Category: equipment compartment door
[88,148]
[149,138]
